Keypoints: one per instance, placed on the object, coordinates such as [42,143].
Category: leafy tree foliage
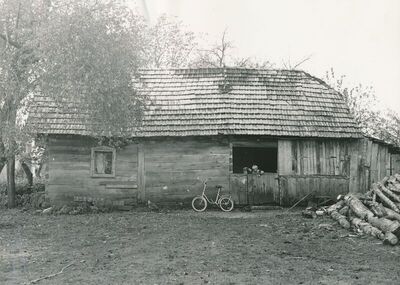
[363,105]
[81,51]
[169,44]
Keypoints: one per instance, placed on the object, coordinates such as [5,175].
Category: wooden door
[254,189]
[262,189]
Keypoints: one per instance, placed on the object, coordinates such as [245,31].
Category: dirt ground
[184,247]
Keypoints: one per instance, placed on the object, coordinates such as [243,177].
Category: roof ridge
[222,69]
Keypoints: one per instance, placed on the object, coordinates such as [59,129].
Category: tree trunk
[28,173]
[367,228]
[11,181]
[2,164]
[357,206]
[385,200]
[389,193]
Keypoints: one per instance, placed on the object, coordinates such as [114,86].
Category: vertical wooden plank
[318,157]
[395,162]
[301,157]
[323,158]
[141,174]
[374,162]
[388,162]
[284,157]
[312,154]
[295,161]
[354,163]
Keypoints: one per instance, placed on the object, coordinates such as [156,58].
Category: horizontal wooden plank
[121,186]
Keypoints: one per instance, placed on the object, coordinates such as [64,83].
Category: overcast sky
[358,38]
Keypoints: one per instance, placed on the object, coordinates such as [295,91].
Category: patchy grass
[183,247]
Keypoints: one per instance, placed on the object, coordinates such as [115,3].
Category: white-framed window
[103,161]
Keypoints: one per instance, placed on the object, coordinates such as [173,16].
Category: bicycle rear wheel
[199,204]
[226,204]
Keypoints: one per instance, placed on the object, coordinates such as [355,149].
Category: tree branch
[10,41]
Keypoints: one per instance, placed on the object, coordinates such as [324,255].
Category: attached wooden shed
[210,123]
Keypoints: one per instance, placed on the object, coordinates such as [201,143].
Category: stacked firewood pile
[376,213]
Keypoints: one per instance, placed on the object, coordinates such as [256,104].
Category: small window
[266,158]
[103,162]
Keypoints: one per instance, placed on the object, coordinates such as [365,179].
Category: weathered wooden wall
[395,162]
[309,165]
[170,170]
[175,168]
[376,163]
[70,177]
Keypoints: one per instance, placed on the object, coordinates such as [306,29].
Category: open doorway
[266,158]
[260,188]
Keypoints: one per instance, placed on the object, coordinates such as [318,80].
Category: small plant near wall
[253,170]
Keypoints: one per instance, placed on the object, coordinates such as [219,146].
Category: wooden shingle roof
[236,101]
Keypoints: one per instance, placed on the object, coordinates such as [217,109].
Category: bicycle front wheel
[199,204]
[226,204]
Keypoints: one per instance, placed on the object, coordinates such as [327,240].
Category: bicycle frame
[208,199]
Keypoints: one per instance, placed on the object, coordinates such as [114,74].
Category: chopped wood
[335,207]
[376,213]
[391,215]
[384,224]
[392,187]
[391,179]
[359,209]
[391,239]
[344,211]
[367,228]
[389,193]
[376,208]
[340,219]
[384,199]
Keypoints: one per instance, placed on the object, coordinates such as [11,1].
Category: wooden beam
[141,174]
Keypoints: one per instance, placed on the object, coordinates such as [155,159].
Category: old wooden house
[211,124]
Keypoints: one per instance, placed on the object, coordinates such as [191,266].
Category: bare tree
[220,55]
[288,64]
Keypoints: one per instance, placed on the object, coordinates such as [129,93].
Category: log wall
[170,170]
[70,176]
[175,168]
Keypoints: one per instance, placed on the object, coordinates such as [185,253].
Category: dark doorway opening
[266,158]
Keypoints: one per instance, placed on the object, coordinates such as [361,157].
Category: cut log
[385,200]
[358,208]
[376,208]
[374,197]
[340,219]
[392,187]
[391,179]
[391,215]
[397,176]
[335,207]
[389,193]
[384,180]
[384,224]
[344,211]
[391,239]
[367,228]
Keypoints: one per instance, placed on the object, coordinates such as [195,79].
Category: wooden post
[141,175]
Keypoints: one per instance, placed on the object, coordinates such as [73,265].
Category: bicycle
[199,203]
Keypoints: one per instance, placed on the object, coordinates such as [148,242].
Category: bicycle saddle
[218,186]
